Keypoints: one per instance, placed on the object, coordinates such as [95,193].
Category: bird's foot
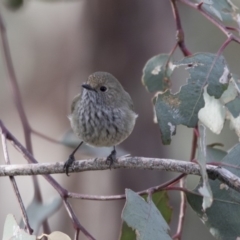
[111,158]
[69,163]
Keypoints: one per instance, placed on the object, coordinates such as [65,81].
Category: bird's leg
[112,157]
[71,158]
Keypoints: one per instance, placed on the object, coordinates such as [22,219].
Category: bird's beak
[89,87]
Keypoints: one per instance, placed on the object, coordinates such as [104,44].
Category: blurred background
[55,46]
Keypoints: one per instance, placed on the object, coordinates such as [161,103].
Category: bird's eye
[103,89]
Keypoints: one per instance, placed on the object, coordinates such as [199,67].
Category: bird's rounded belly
[103,129]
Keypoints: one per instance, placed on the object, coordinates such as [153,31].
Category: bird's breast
[102,126]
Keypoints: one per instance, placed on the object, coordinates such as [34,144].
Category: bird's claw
[111,158]
[68,163]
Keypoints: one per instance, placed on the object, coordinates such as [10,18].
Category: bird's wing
[129,101]
[76,98]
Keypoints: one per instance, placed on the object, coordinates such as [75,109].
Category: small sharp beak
[88,87]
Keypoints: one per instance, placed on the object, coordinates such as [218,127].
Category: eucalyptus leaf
[38,212]
[223,10]
[156,73]
[223,217]
[183,107]
[144,218]
[161,201]
[234,107]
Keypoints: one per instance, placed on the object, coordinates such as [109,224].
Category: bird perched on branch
[102,114]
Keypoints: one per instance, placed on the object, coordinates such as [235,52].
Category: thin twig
[18,102]
[14,184]
[224,45]
[29,157]
[183,205]
[27,133]
[76,221]
[180,32]
[217,23]
[186,52]
[41,135]
[123,196]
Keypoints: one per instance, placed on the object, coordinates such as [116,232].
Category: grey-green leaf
[38,212]
[223,217]
[236,82]
[234,107]
[224,10]
[144,217]
[209,69]
[183,107]
[215,154]
[161,201]
[156,73]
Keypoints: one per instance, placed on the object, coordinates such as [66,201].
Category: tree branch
[214,172]
[16,95]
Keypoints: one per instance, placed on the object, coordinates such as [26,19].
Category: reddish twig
[217,23]
[123,196]
[62,192]
[186,52]
[76,222]
[180,32]
[181,217]
[183,204]
[27,153]
[194,143]
[18,102]
[14,184]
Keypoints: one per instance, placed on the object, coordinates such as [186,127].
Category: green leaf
[156,73]
[223,217]
[144,217]
[38,212]
[224,10]
[12,231]
[127,233]
[161,201]
[183,107]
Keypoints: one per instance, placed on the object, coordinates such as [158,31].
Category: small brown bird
[102,114]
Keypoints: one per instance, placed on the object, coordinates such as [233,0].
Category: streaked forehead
[100,78]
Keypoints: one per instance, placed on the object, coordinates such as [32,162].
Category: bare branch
[16,95]
[208,16]
[128,162]
[15,187]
